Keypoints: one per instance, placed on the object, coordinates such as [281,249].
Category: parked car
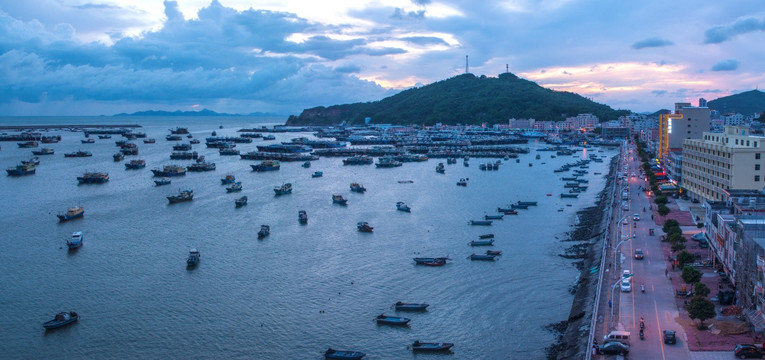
[699,237]
[748,351]
[613,348]
[638,254]
[669,337]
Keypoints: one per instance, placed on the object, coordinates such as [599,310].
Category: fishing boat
[356,187]
[169,171]
[72,213]
[162,181]
[173,138]
[306,164]
[27,144]
[78,153]
[266,165]
[135,164]
[462,182]
[392,320]
[149,141]
[574,195]
[76,240]
[510,212]
[479,222]
[194,141]
[283,190]
[387,162]
[527,203]
[118,156]
[402,306]
[93,178]
[440,168]
[486,236]
[516,206]
[193,259]
[183,195]
[237,186]
[269,137]
[302,217]
[50,139]
[21,169]
[43,151]
[317,174]
[400,206]
[492,252]
[343,354]
[358,160]
[338,199]
[264,231]
[418,346]
[88,141]
[484,257]
[200,166]
[493,217]
[184,155]
[502,210]
[61,319]
[242,201]
[33,160]
[364,227]
[482,242]
[229,179]
[430,261]
[179,131]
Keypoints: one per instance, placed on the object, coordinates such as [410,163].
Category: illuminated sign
[669,126]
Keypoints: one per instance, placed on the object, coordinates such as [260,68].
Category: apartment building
[717,162]
[687,122]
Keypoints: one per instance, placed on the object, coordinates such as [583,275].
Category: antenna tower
[507,68]
[466,64]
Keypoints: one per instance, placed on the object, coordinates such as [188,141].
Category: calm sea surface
[300,290]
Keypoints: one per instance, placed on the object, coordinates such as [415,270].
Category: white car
[625,206]
[625,221]
[626,285]
[626,274]
[635,217]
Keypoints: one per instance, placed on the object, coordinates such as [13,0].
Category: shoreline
[573,333]
[53,127]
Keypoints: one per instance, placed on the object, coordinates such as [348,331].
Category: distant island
[203,112]
[463,99]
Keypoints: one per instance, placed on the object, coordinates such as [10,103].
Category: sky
[102,57]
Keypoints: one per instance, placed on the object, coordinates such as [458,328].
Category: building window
[757,178]
[757,166]
[757,156]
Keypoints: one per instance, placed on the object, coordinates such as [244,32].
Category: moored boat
[302,217]
[364,227]
[402,306]
[118,156]
[169,170]
[72,213]
[88,141]
[430,260]
[27,144]
[200,166]
[242,201]
[528,203]
[492,252]
[387,162]
[493,217]
[517,206]
[237,186]
[343,354]
[440,168]
[266,165]
[78,153]
[338,199]
[400,206]
[486,236]
[162,181]
[93,177]
[479,222]
[358,160]
[574,195]
[317,174]
[193,259]
[484,257]
[264,231]
[392,320]
[283,190]
[21,169]
[183,195]
[229,179]
[135,164]
[462,182]
[418,346]
[356,187]
[76,240]
[149,141]
[61,319]
[43,151]
[306,164]
[482,242]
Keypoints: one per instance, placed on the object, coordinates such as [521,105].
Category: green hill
[463,99]
[746,103]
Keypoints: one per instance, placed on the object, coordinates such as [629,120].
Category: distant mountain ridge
[463,99]
[745,103]
[203,112]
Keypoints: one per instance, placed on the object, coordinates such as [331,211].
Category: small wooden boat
[462,182]
[264,231]
[356,187]
[425,261]
[343,355]
[418,346]
[364,227]
[302,217]
[229,179]
[162,181]
[492,252]
[531,203]
[242,201]
[283,190]
[317,174]
[493,217]
[193,259]
[88,141]
[486,236]
[569,195]
[516,206]
[400,206]
[43,151]
[338,199]
[72,213]
[483,242]
[435,263]
[149,141]
[392,320]
[479,222]
[402,306]
[61,319]
[502,210]
[511,212]
[306,164]
[482,257]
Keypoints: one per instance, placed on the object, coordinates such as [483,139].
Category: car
[635,217]
[699,237]
[745,351]
[625,206]
[626,274]
[638,254]
[626,285]
[669,337]
[625,221]
[613,348]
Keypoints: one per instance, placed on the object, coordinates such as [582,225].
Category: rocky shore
[572,333]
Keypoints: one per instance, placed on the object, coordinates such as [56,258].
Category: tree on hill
[746,103]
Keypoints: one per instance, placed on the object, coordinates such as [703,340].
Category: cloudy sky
[91,57]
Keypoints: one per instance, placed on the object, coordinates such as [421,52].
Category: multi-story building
[721,161]
[674,165]
[521,123]
[687,122]
[733,119]
[615,132]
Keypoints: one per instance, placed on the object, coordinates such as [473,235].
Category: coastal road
[657,305]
